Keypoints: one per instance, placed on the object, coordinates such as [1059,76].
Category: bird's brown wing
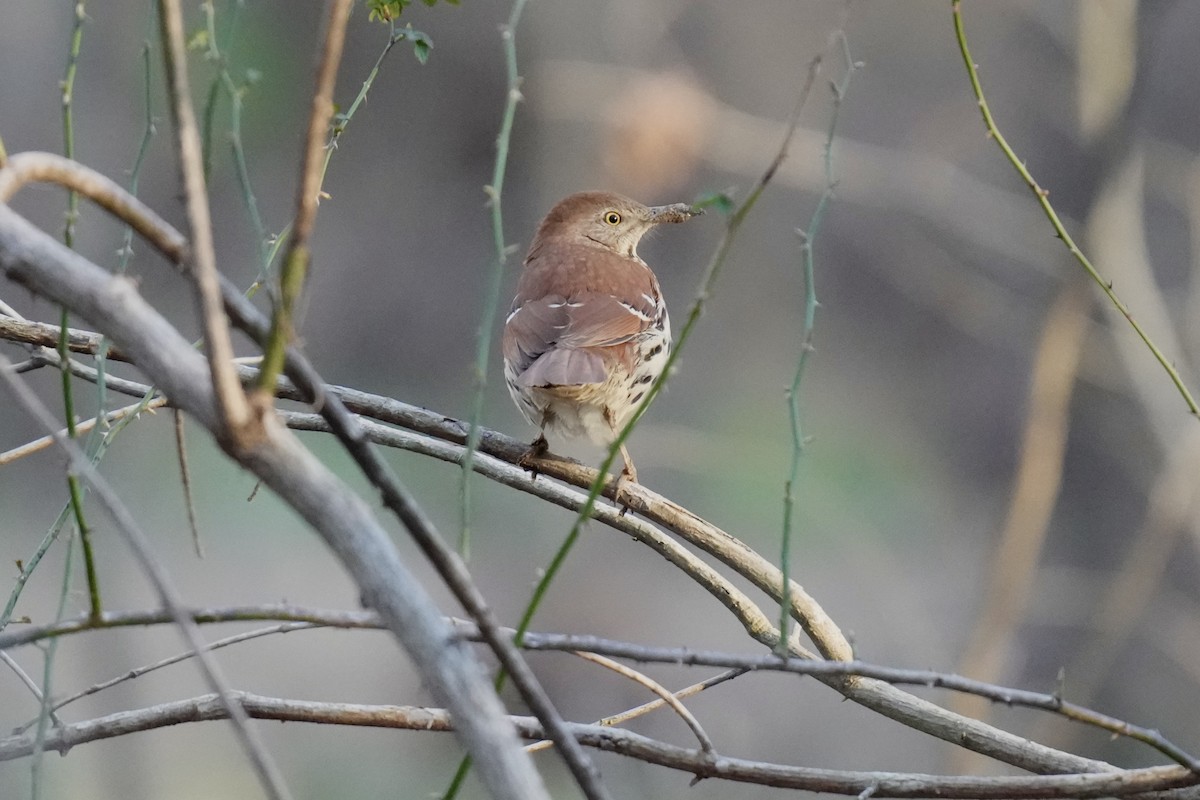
[553,341]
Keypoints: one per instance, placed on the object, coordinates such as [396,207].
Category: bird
[588,330]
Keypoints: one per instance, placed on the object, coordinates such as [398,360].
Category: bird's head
[608,220]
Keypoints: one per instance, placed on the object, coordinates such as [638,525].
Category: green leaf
[420,41]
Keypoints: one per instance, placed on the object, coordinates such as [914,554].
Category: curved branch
[616,740]
[444,438]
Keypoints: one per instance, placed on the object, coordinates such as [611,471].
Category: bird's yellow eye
[612,218]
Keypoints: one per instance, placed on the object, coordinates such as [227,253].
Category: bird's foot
[537,449]
[621,494]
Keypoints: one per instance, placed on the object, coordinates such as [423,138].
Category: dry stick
[505,772]
[642,748]
[505,454]
[663,693]
[268,773]
[296,258]
[37,445]
[185,475]
[1043,198]
[495,193]
[646,708]
[232,405]
[1035,492]
[738,663]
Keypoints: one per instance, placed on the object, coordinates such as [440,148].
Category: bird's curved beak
[676,212]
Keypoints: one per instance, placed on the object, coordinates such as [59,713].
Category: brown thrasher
[588,332]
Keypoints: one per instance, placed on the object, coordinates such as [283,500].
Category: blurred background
[954,511]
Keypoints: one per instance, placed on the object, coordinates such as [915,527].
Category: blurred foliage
[387,10]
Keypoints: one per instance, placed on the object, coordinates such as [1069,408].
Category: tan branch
[232,406]
[296,257]
[663,693]
[632,745]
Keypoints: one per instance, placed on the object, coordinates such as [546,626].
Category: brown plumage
[588,331]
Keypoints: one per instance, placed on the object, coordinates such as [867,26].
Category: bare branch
[296,258]
[642,748]
[663,693]
[232,406]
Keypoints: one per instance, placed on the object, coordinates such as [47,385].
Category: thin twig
[232,405]
[137,672]
[663,693]
[44,716]
[68,394]
[491,301]
[646,708]
[41,443]
[29,682]
[1060,230]
[296,257]
[224,80]
[808,239]
[185,476]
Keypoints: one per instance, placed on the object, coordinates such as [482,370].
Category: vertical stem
[76,493]
[491,302]
[806,348]
[296,259]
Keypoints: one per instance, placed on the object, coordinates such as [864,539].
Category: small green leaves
[721,201]
[420,42]
[388,10]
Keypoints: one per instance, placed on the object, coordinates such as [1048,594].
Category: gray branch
[113,305]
